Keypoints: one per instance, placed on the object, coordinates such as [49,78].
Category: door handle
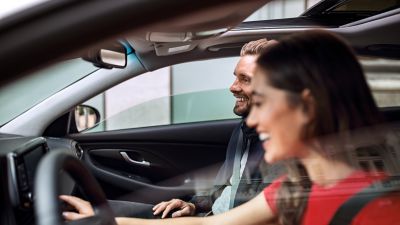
[134,162]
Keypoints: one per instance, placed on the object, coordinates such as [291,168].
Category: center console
[23,163]
[19,158]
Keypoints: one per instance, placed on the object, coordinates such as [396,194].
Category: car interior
[145,164]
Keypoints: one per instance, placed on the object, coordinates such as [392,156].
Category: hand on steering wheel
[47,207]
[83,207]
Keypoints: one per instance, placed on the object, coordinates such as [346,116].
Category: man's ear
[308,105]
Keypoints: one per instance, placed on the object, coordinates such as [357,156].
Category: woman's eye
[257,104]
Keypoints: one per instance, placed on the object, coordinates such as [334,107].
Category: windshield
[23,94]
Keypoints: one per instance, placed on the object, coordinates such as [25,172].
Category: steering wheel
[47,207]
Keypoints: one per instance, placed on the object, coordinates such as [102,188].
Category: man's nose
[235,87]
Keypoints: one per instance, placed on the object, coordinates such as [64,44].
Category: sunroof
[366,6]
[315,13]
[280,9]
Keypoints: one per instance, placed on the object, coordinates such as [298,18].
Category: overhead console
[177,42]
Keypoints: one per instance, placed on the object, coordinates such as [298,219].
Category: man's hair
[256,47]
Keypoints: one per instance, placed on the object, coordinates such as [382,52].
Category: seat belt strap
[347,211]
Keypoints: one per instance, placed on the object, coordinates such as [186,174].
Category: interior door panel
[156,163]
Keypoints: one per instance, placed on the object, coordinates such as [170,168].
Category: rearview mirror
[110,56]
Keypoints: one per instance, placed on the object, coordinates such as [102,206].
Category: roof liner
[223,16]
[366,38]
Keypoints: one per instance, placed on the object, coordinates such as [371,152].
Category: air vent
[78,151]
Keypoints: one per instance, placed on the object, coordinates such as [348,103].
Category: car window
[20,96]
[198,91]
[383,77]
[188,92]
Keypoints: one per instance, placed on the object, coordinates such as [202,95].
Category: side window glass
[183,93]
[200,90]
[383,77]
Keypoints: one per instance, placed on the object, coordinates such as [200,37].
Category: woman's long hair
[323,64]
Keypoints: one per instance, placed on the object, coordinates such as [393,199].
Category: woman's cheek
[277,149]
[271,154]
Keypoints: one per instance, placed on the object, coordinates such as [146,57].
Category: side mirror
[86,117]
[111,56]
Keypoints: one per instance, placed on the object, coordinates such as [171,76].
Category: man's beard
[242,113]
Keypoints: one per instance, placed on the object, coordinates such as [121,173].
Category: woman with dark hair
[312,109]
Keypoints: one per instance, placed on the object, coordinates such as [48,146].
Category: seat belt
[348,210]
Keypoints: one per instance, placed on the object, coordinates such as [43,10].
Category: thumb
[177,214]
[183,212]
[72,216]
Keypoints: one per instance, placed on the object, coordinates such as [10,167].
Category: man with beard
[238,180]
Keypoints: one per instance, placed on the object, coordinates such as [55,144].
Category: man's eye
[245,80]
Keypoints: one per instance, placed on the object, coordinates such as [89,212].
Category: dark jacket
[252,181]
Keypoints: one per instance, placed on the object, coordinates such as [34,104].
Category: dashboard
[19,159]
